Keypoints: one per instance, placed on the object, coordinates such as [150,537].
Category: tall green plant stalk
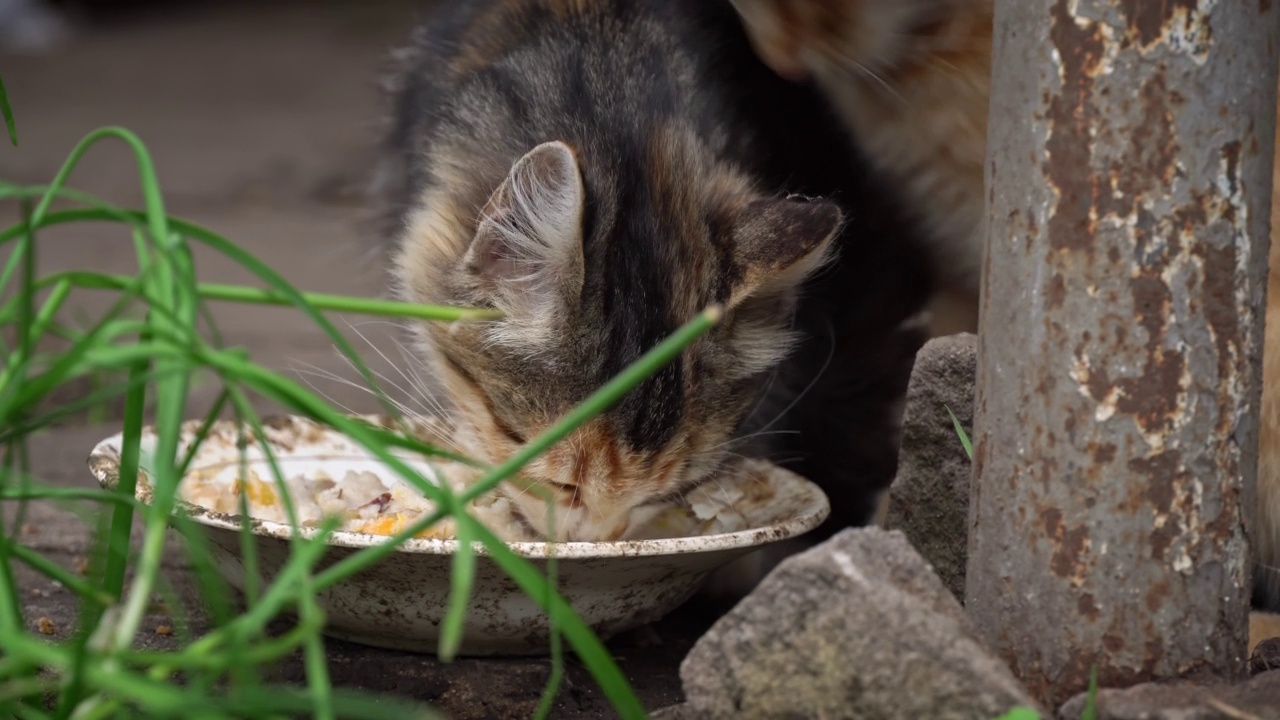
[100,674]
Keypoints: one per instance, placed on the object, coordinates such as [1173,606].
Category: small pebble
[46,626]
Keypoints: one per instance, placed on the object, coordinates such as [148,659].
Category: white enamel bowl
[400,602]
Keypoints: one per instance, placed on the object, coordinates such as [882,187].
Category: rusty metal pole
[1119,361]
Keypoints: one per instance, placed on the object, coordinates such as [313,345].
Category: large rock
[857,627]
[1257,699]
[929,499]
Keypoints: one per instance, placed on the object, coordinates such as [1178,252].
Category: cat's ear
[526,256]
[780,241]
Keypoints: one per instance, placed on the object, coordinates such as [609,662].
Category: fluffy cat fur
[911,80]
[600,171]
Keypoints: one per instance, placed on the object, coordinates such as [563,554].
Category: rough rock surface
[857,627]
[1257,699]
[929,499]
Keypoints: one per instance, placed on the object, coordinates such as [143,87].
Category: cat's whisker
[861,69]
[427,409]
[826,363]
[354,328]
[425,395]
[303,374]
[317,372]
[733,441]
[313,371]
[940,61]
[765,392]
[351,365]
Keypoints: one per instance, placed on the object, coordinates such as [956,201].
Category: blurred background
[262,119]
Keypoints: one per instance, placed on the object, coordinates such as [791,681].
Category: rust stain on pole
[1119,362]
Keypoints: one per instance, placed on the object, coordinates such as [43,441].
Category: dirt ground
[261,120]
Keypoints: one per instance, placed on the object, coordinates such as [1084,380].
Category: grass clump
[151,340]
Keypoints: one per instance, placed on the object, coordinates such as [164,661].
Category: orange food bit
[260,493]
[385,525]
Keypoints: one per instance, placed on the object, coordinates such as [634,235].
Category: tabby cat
[911,81]
[602,170]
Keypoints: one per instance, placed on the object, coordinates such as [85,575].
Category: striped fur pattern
[601,171]
[911,80]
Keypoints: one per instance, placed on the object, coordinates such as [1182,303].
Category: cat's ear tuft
[780,241]
[526,256]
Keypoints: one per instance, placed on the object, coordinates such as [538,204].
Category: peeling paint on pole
[1119,360]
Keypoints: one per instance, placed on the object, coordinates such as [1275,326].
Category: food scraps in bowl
[400,601]
[367,497]
[327,476]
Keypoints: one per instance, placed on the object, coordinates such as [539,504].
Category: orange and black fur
[600,171]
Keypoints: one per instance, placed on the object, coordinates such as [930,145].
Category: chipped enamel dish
[400,602]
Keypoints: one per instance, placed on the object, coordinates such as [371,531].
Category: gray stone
[929,499]
[1257,699]
[857,627]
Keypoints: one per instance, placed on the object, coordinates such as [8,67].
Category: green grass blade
[10,601]
[130,449]
[317,665]
[157,220]
[546,702]
[65,410]
[321,301]
[11,126]
[10,597]
[342,303]
[463,579]
[53,571]
[14,395]
[964,436]
[1090,711]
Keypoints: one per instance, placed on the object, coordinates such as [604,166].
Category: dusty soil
[261,121]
